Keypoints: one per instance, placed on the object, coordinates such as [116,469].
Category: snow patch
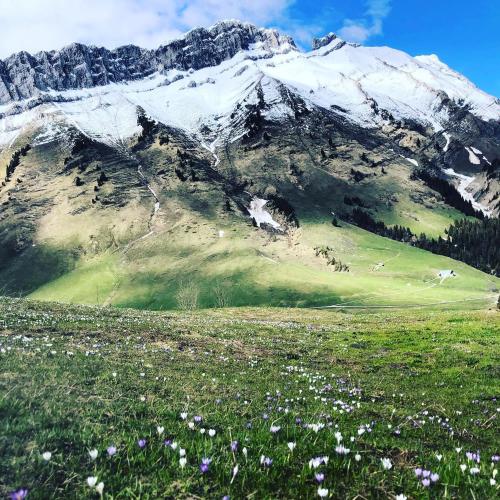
[411,160]
[448,141]
[260,215]
[464,182]
[472,156]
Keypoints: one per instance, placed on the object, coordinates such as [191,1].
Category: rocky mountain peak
[317,43]
[77,66]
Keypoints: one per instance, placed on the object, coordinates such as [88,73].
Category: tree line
[475,242]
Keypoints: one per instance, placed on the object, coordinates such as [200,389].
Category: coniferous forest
[475,242]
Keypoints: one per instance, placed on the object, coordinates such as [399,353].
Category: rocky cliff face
[77,66]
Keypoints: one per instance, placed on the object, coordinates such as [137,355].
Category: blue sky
[462,33]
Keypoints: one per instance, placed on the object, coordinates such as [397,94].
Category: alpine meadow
[232,267]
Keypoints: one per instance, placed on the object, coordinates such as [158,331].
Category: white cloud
[35,25]
[360,30]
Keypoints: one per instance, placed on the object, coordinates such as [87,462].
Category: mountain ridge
[77,65]
[251,170]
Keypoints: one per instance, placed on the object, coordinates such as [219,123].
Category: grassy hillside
[252,399]
[249,267]
[78,223]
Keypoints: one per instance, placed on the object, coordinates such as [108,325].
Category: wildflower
[342,450]
[99,488]
[426,483]
[439,457]
[338,436]
[495,458]
[418,472]
[211,432]
[160,430]
[114,374]
[474,470]
[92,481]
[319,476]
[182,452]
[265,461]
[426,473]
[235,471]
[314,463]
[401,496]
[143,398]
[173,446]
[434,477]
[93,454]
[492,482]
[167,442]
[463,467]
[19,494]
[322,492]
[386,463]
[182,462]
[204,466]
[191,425]
[474,457]
[234,446]
[291,446]
[245,452]
[274,429]
[197,419]
[111,450]
[184,415]
[47,456]
[141,443]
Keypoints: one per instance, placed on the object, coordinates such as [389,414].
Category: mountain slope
[119,188]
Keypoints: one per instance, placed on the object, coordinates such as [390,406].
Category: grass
[417,388]
[260,270]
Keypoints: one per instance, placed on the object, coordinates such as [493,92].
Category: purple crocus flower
[198,419]
[167,442]
[434,477]
[320,477]
[495,458]
[473,456]
[265,416]
[266,461]
[234,446]
[418,472]
[111,450]
[426,473]
[425,483]
[141,443]
[205,462]
[19,494]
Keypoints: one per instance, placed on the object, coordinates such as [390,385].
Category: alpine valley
[229,167]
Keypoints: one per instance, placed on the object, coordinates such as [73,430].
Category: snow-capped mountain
[201,82]
[139,153]
[208,82]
